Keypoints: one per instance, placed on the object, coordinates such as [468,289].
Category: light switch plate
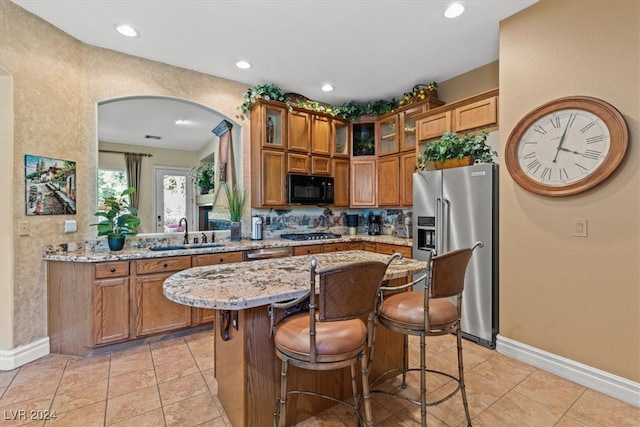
[70,226]
[579,227]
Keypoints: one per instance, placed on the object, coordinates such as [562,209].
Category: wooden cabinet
[388,136]
[388,249]
[407,169]
[475,115]
[268,124]
[154,312]
[268,180]
[298,163]
[389,181]
[363,183]
[434,126]
[340,172]
[356,246]
[336,247]
[307,250]
[299,131]
[111,302]
[320,135]
[341,131]
[470,114]
[320,165]
[206,315]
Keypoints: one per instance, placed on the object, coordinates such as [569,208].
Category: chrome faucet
[186,230]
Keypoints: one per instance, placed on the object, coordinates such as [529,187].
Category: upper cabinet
[299,131]
[473,113]
[341,137]
[363,133]
[320,135]
[268,124]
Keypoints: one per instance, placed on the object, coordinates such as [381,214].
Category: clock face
[563,147]
[566,146]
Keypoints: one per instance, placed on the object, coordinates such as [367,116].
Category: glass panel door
[174,199]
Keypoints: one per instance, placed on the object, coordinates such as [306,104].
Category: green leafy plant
[418,93]
[236,201]
[120,218]
[203,176]
[450,146]
[269,92]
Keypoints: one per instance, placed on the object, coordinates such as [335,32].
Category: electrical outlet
[579,227]
[23,228]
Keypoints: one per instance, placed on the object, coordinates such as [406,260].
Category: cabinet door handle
[165,265]
[112,270]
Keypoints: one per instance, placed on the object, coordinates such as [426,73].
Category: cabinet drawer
[221,258]
[336,247]
[353,246]
[307,250]
[161,265]
[112,269]
[385,248]
[297,163]
[320,165]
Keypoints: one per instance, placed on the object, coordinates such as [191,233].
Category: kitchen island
[246,367]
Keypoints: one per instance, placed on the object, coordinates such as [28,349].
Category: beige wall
[574,297]
[471,83]
[57,83]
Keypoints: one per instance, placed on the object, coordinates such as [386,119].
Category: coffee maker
[375,224]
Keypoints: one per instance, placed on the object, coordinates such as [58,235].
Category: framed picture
[49,186]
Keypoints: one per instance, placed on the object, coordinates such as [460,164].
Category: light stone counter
[243,285]
[89,253]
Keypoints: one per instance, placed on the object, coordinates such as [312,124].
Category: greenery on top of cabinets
[351,110]
[450,146]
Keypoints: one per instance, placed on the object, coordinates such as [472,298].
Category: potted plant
[120,219]
[236,201]
[203,177]
[452,151]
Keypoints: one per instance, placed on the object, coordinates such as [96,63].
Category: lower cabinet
[154,312]
[111,311]
[307,250]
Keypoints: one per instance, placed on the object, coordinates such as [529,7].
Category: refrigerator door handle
[439,234]
[446,211]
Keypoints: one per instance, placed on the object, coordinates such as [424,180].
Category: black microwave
[309,189]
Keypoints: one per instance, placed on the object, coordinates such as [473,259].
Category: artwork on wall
[49,186]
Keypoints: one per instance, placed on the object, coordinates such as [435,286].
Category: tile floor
[169,381]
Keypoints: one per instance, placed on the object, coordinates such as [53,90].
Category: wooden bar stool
[427,312]
[331,335]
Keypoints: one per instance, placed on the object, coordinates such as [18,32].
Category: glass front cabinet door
[340,137]
[389,137]
[270,128]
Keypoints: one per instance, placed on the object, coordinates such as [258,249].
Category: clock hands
[570,151]
[561,141]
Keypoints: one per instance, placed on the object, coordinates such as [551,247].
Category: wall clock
[566,146]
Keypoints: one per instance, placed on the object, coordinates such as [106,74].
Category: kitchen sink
[184,247]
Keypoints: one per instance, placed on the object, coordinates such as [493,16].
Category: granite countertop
[241,285]
[91,254]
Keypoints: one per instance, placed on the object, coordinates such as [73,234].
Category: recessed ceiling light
[182,122]
[327,87]
[243,65]
[127,30]
[454,10]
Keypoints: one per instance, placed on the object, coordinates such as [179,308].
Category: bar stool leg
[461,376]
[366,396]
[423,382]
[282,418]
[405,359]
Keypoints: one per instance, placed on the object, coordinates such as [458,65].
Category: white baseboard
[601,381]
[12,359]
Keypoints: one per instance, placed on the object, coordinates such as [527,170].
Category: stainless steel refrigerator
[452,209]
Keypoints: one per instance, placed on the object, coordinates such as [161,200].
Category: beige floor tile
[153,418]
[595,408]
[130,361]
[192,411]
[200,343]
[205,361]
[23,413]
[132,404]
[178,369]
[483,389]
[327,418]
[131,381]
[567,421]
[169,352]
[42,387]
[553,392]
[504,371]
[55,367]
[526,410]
[182,388]
[210,379]
[77,397]
[216,422]
[87,416]
[6,377]
[496,417]
[84,373]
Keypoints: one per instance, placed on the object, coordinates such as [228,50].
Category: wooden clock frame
[619,137]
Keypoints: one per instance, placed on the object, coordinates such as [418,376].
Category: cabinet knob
[112,270]
[165,265]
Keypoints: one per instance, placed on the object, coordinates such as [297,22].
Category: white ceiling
[369,50]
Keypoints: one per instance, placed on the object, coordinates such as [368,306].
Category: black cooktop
[309,236]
